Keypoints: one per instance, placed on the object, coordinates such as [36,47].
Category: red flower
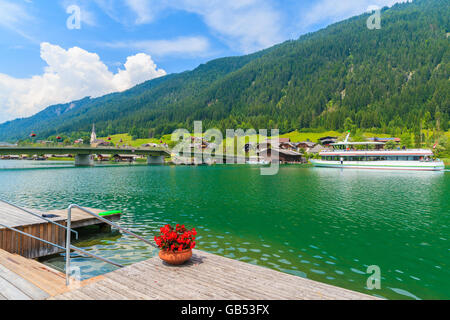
[175,239]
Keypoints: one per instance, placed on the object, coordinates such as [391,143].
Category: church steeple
[93,135]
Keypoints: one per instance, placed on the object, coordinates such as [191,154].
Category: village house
[317,149]
[326,141]
[286,150]
[124,158]
[10,157]
[149,145]
[103,157]
[305,145]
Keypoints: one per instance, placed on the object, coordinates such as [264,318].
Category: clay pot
[175,258]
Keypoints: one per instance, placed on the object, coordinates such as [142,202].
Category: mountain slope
[345,75]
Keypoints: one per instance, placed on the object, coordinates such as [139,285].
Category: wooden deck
[82,219]
[205,277]
[27,279]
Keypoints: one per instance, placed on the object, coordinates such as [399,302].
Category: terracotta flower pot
[175,258]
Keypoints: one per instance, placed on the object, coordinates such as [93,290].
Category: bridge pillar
[155,159]
[84,160]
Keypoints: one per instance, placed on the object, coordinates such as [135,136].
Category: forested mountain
[395,78]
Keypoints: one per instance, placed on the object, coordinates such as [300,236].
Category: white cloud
[13,16]
[181,46]
[71,74]
[144,9]
[130,12]
[249,24]
[245,25]
[330,11]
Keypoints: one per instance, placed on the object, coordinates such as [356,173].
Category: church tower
[93,135]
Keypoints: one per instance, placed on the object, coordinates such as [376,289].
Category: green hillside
[393,80]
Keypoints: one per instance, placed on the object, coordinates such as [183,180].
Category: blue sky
[124,42]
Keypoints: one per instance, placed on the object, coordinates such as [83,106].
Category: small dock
[205,277]
[27,247]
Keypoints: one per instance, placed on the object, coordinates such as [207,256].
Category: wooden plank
[10,292]
[43,277]
[23,285]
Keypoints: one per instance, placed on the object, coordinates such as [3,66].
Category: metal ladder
[69,247]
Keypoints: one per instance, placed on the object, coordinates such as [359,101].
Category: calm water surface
[324,224]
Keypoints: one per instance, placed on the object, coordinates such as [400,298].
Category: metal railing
[61,247]
[69,247]
[39,216]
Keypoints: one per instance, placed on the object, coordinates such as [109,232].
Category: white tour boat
[372,155]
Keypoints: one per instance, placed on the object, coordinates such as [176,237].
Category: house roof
[284,151]
[317,149]
[280,140]
[307,143]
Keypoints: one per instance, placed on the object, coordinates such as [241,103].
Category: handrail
[68,239]
[61,247]
[38,216]
[110,223]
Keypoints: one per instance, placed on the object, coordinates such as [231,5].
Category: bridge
[83,155]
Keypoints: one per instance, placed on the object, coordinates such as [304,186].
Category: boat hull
[382,165]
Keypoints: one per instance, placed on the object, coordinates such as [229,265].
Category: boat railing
[379,150]
[69,247]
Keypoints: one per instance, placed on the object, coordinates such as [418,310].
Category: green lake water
[325,224]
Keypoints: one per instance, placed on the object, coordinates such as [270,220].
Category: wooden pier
[14,242]
[205,277]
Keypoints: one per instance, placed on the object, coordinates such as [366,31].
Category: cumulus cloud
[70,74]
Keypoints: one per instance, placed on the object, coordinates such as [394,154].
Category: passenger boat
[373,155]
